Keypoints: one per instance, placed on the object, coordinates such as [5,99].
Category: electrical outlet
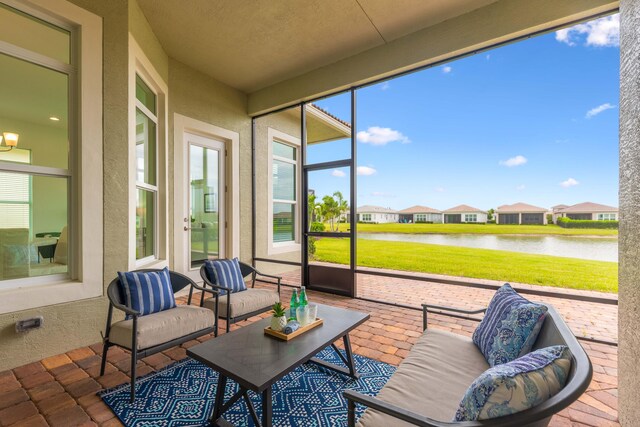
[26,325]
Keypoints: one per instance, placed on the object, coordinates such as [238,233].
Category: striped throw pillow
[148,292]
[226,272]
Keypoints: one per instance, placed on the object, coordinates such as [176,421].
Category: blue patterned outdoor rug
[183,395]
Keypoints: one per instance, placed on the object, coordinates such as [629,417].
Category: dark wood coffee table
[256,361]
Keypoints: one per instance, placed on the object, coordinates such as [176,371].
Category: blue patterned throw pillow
[517,385]
[226,272]
[148,292]
[510,326]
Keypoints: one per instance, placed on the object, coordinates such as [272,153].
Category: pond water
[592,248]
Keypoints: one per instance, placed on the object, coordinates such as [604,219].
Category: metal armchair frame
[116,300]
[246,270]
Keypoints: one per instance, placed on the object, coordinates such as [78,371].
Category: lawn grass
[550,229]
[505,266]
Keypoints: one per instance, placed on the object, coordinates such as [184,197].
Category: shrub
[549,218]
[424,222]
[491,221]
[585,223]
[315,227]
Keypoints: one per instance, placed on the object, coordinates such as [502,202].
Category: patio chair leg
[228,324]
[103,364]
[134,361]
[351,413]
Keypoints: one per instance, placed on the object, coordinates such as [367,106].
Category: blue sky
[534,122]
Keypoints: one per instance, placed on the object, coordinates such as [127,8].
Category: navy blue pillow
[148,292]
[509,328]
[226,272]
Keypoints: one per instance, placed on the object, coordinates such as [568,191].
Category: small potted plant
[279,319]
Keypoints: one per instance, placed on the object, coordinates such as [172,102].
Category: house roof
[558,207]
[520,208]
[463,209]
[588,207]
[419,209]
[375,209]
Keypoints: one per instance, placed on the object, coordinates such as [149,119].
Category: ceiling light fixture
[54,119]
[10,141]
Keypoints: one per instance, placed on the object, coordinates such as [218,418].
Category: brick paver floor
[61,390]
[601,322]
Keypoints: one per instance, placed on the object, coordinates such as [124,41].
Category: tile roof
[588,207]
[463,209]
[375,209]
[419,209]
[520,207]
[331,115]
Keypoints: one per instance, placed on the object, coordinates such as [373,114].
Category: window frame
[140,66]
[609,217]
[85,168]
[274,135]
[468,217]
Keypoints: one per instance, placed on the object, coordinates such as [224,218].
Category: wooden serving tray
[300,331]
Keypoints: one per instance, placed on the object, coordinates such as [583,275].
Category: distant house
[420,214]
[464,213]
[377,215]
[589,210]
[521,213]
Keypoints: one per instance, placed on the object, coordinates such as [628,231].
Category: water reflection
[592,248]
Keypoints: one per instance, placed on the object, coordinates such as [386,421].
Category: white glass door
[204,221]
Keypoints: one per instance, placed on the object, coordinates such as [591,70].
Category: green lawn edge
[571,273]
[551,229]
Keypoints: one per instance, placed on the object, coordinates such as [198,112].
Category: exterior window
[35,174]
[421,217]
[146,170]
[607,217]
[366,217]
[470,218]
[285,189]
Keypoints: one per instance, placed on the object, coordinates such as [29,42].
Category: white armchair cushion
[244,302]
[161,327]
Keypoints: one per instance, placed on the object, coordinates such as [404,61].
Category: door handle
[187,228]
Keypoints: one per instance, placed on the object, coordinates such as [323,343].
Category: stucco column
[629,271]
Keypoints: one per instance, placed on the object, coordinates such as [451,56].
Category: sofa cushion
[432,378]
[161,327]
[517,385]
[147,292]
[509,327]
[226,272]
[244,302]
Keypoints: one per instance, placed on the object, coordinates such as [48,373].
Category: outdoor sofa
[427,387]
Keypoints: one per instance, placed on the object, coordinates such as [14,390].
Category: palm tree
[329,209]
[342,205]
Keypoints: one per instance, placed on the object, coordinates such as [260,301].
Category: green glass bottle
[303,297]
[294,304]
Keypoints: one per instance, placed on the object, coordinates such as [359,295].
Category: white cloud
[376,135]
[439,190]
[514,161]
[599,109]
[488,57]
[520,187]
[338,173]
[603,32]
[570,182]
[366,170]
[385,86]
[446,69]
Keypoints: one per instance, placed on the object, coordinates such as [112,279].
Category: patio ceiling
[250,45]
